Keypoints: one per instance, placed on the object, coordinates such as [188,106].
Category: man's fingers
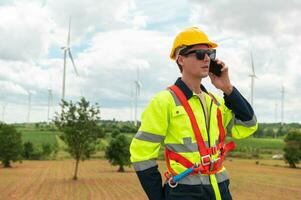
[225,67]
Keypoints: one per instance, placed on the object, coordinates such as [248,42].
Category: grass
[39,137]
[259,143]
[259,148]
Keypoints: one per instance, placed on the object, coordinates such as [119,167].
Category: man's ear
[181,60]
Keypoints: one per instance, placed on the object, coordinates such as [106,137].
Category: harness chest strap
[206,166]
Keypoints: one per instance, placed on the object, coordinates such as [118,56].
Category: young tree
[10,145]
[28,150]
[115,133]
[292,148]
[78,122]
[118,152]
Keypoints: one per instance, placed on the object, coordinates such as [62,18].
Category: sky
[111,39]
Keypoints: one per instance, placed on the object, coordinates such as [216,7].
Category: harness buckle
[212,163]
[205,163]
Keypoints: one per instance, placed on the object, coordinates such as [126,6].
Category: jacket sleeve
[239,117]
[146,144]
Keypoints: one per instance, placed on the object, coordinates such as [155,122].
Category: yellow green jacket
[165,122]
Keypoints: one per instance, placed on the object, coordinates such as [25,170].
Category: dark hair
[182,52]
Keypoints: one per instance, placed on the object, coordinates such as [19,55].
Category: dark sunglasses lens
[201,54]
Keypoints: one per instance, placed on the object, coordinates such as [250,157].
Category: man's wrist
[228,89]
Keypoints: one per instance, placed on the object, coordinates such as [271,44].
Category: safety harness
[206,165]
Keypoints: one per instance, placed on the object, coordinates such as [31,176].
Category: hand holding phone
[215,68]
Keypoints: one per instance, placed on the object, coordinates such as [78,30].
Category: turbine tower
[29,106]
[3,111]
[133,86]
[67,50]
[137,84]
[276,112]
[253,76]
[50,104]
[282,104]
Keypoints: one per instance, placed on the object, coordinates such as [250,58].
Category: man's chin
[204,75]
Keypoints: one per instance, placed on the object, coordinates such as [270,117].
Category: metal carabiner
[171,184]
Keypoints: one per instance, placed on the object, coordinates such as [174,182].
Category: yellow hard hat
[190,36]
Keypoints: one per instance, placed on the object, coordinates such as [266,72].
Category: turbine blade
[74,67]
[137,87]
[68,40]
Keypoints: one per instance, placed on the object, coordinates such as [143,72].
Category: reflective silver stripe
[177,101]
[235,121]
[143,165]
[204,179]
[249,123]
[150,137]
[188,146]
[230,125]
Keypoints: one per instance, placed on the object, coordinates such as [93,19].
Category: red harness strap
[196,130]
[207,166]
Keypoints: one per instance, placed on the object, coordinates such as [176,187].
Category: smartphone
[215,68]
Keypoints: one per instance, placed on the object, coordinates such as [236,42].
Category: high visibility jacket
[166,121]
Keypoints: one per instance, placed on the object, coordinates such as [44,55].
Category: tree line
[81,127]
[275,130]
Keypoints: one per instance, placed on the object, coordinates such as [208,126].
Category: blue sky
[111,39]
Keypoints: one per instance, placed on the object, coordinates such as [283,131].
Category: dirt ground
[49,180]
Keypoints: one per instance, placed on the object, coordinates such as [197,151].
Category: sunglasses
[200,53]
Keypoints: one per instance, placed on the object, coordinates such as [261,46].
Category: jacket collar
[185,89]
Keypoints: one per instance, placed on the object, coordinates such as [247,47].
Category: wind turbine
[132,101]
[50,104]
[29,106]
[253,76]
[67,50]
[3,111]
[276,111]
[138,85]
[282,104]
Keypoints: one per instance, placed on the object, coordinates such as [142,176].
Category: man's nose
[206,58]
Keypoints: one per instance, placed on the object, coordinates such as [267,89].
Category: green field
[259,143]
[245,148]
[39,137]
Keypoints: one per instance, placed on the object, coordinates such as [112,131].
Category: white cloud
[9,87]
[112,61]
[25,30]
[110,39]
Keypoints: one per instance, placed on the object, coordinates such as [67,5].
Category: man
[192,123]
